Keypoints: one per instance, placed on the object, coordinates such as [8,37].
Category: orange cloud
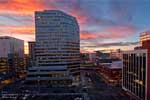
[22,30]
[27,7]
[22,6]
[17,29]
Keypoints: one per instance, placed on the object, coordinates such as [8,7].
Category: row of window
[48,75]
[134,73]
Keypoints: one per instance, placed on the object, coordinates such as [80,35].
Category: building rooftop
[114,65]
[109,60]
[135,51]
[55,11]
[9,37]
[145,33]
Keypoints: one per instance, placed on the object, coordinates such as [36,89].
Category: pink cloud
[121,31]
[24,9]
[113,32]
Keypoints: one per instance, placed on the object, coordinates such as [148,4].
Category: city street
[97,89]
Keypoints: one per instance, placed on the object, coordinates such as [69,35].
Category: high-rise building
[144,36]
[27,62]
[16,65]
[136,71]
[57,48]
[145,45]
[11,59]
[31,53]
[11,45]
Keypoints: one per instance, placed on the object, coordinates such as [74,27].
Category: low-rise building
[92,57]
[111,72]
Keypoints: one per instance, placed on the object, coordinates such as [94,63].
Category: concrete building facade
[11,45]
[11,59]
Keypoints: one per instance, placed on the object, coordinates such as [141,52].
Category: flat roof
[136,51]
[114,65]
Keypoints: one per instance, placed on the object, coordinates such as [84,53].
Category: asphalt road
[97,89]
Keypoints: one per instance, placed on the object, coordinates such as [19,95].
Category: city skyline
[104,24]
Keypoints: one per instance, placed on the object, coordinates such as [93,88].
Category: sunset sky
[104,24]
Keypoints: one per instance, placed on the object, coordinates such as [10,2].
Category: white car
[78,98]
[25,97]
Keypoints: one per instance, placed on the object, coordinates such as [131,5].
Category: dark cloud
[97,45]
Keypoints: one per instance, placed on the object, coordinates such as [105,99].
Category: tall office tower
[31,54]
[144,36]
[57,47]
[136,72]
